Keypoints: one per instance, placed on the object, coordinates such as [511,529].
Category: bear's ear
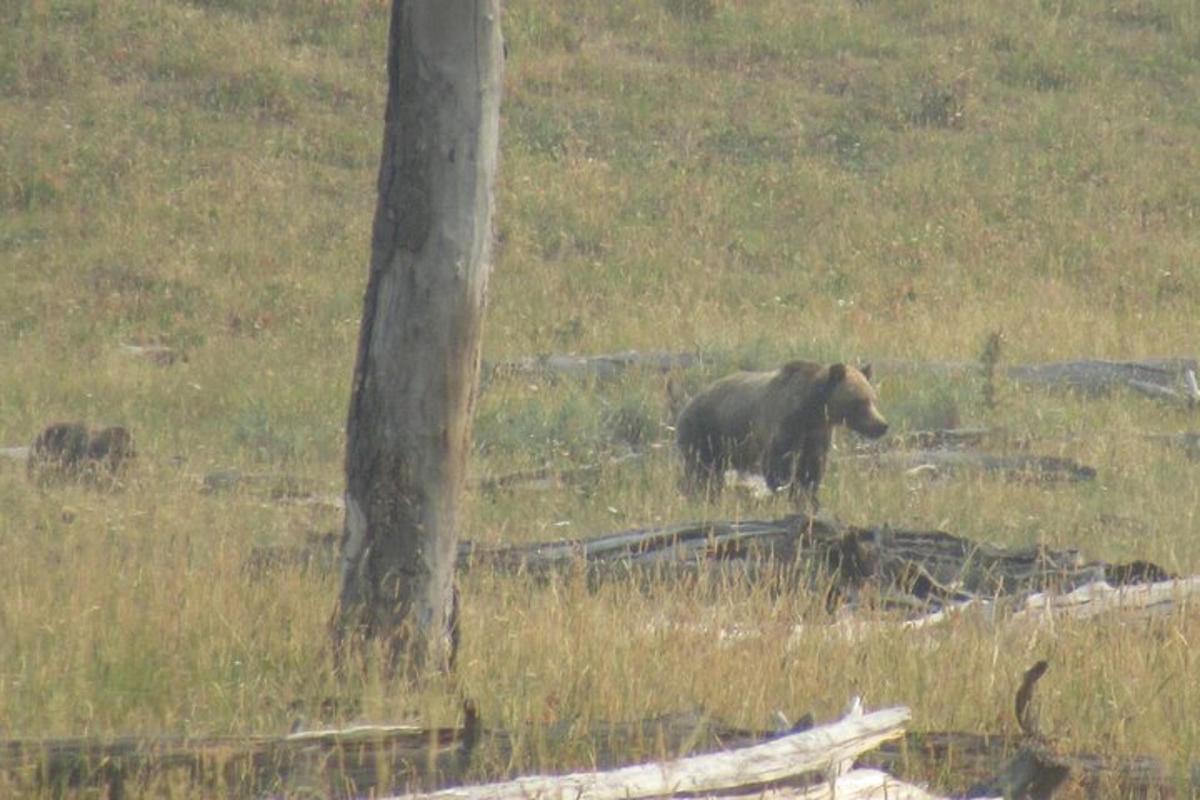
[837,374]
[865,369]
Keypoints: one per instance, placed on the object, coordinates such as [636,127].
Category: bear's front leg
[810,467]
[704,468]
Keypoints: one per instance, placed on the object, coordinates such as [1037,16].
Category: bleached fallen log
[1188,442]
[779,759]
[1019,467]
[1091,376]
[859,784]
[1137,601]
[1093,599]
[1131,599]
[1097,376]
[157,354]
[855,711]
[1155,391]
[18,455]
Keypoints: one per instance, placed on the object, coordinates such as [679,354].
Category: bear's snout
[872,428]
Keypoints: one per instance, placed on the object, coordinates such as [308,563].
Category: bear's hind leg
[779,461]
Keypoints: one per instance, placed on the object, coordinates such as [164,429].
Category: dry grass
[753,180]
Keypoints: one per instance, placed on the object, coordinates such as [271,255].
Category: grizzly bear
[778,424]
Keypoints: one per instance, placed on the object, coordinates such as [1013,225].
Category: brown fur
[778,424]
[69,451]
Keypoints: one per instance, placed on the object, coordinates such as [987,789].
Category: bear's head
[853,402]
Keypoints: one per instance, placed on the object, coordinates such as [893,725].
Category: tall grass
[751,180]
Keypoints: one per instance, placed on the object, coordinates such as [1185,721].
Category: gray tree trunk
[415,378]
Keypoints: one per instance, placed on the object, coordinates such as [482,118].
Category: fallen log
[546,478]
[1145,601]
[1088,376]
[17,455]
[749,768]
[1099,376]
[600,366]
[157,354]
[1188,442]
[340,763]
[914,568]
[1103,597]
[1117,595]
[290,489]
[280,486]
[1092,377]
[1036,469]
[968,438]
[983,761]
[929,573]
[1155,391]
[343,762]
[859,784]
[938,439]
[364,760]
[318,555]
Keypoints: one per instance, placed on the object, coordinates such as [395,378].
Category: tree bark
[417,368]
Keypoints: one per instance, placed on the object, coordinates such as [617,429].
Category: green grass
[754,181]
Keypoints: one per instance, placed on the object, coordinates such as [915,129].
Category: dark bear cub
[69,451]
[778,424]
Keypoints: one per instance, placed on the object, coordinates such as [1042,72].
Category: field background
[754,181]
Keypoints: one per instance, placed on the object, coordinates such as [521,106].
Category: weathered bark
[416,374]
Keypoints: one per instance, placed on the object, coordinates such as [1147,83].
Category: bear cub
[71,451]
[777,423]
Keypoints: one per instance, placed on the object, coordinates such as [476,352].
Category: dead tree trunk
[418,353]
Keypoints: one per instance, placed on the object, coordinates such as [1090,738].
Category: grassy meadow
[754,180]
